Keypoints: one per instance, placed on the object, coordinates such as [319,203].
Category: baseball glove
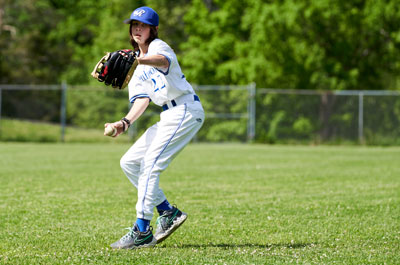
[116,68]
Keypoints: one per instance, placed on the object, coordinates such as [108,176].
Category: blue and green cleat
[136,239]
[168,222]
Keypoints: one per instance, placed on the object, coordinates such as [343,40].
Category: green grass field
[247,204]
[12,130]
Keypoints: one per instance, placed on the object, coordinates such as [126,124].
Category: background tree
[329,44]
[305,44]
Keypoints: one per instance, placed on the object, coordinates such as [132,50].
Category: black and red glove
[116,68]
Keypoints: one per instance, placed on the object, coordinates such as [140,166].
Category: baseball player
[157,78]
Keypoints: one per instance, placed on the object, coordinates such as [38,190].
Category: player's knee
[123,163]
[128,164]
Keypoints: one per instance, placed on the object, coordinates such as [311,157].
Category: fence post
[0,111]
[63,116]
[251,112]
[361,117]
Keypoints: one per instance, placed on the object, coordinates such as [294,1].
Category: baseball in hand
[110,130]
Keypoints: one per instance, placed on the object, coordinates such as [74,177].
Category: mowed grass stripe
[247,204]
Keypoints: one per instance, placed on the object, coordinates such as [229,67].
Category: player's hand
[117,125]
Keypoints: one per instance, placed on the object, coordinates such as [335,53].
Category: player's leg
[131,162]
[170,220]
[131,165]
[132,159]
[176,128]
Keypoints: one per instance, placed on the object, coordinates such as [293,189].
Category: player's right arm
[137,109]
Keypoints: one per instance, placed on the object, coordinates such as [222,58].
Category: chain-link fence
[233,113]
[328,116]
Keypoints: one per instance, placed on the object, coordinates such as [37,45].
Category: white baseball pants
[154,150]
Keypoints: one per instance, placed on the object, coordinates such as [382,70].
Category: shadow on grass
[243,245]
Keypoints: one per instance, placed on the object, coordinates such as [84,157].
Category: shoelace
[129,234]
[165,225]
[159,219]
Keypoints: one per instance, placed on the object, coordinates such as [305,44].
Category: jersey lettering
[158,83]
[146,74]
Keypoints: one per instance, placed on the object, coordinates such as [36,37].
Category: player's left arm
[156,60]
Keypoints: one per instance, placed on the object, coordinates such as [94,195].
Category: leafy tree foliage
[329,44]
[28,53]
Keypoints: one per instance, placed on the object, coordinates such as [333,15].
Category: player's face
[140,32]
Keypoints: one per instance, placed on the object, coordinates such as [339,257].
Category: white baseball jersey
[159,84]
[154,150]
